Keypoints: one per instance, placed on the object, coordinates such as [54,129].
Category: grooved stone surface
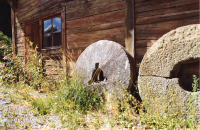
[114,61]
[156,83]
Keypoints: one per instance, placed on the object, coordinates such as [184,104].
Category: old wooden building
[64,28]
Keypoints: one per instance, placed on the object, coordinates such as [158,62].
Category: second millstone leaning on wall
[158,80]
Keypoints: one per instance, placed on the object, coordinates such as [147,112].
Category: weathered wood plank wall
[27,10]
[154,18]
[91,21]
[86,23]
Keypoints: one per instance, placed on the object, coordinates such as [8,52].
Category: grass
[80,107]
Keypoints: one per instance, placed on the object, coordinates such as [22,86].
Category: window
[52,32]
[47,31]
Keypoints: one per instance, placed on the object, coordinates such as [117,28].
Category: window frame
[55,49]
[52,47]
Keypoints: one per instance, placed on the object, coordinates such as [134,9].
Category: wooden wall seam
[13,29]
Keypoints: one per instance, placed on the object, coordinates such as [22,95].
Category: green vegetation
[30,73]
[5,46]
[80,107]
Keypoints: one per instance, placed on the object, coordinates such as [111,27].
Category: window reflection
[47,33]
[57,31]
[52,32]
[47,26]
[47,40]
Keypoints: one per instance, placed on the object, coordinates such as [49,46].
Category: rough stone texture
[168,96]
[172,48]
[156,82]
[114,61]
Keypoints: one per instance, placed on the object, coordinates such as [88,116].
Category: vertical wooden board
[129,27]
[64,62]
[35,32]
[28,32]
[13,30]
[40,35]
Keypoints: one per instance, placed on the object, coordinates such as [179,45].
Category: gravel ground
[23,116]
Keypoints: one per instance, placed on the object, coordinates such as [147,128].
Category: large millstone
[113,61]
[158,70]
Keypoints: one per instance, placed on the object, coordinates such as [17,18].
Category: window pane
[57,31]
[48,40]
[47,33]
[47,26]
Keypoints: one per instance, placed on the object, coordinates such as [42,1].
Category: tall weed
[31,72]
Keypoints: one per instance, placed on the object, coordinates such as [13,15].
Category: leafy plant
[5,46]
[31,72]
[195,84]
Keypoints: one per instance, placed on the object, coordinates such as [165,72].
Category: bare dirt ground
[18,114]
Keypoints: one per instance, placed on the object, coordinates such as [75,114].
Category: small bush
[5,47]
[31,72]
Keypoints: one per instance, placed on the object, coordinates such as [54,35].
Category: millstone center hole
[185,76]
[97,75]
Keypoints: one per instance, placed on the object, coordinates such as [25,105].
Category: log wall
[154,18]
[30,9]
[86,23]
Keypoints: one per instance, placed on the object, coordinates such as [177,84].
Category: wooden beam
[130,32]
[13,29]
[64,40]
[129,13]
